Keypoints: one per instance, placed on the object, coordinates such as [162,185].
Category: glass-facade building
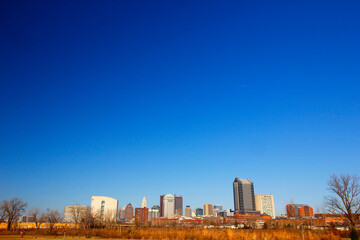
[244,200]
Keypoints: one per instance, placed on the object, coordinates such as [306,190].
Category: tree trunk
[8,226]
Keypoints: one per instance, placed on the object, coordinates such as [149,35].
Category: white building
[169,205]
[106,208]
[143,203]
[265,204]
[74,213]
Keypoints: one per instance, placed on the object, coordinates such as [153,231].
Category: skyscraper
[161,205]
[129,212]
[208,209]
[244,200]
[168,205]
[265,204]
[178,205]
[143,203]
[188,211]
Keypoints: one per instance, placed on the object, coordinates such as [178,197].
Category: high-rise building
[74,213]
[141,215]
[299,211]
[178,205]
[168,205]
[154,212]
[161,205]
[188,211]
[105,207]
[122,213]
[265,204]
[129,212]
[208,209]
[199,212]
[143,203]
[218,206]
[244,200]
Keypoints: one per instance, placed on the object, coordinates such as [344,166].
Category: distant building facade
[218,206]
[129,212]
[208,209]
[154,212]
[244,200]
[299,211]
[168,205]
[265,204]
[74,213]
[141,215]
[188,211]
[199,212]
[104,207]
[122,213]
[178,205]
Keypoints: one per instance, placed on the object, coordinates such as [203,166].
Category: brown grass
[192,234]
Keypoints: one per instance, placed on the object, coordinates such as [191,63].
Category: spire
[143,204]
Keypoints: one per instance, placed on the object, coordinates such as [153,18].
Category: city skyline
[156,97]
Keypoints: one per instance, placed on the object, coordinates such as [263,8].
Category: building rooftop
[248,181]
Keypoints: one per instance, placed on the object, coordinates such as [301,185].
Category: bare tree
[76,213]
[88,219]
[52,216]
[37,218]
[12,209]
[344,199]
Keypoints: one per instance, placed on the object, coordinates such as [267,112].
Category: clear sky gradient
[140,98]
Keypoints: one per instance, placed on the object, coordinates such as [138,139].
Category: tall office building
[208,209]
[265,204]
[143,203]
[105,207]
[188,211]
[168,205]
[244,200]
[178,205]
[161,205]
[129,212]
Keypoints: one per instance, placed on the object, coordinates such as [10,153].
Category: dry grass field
[182,234]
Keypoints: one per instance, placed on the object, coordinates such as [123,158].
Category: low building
[74,213]
[299,211]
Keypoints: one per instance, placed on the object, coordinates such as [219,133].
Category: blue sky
[133,98]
